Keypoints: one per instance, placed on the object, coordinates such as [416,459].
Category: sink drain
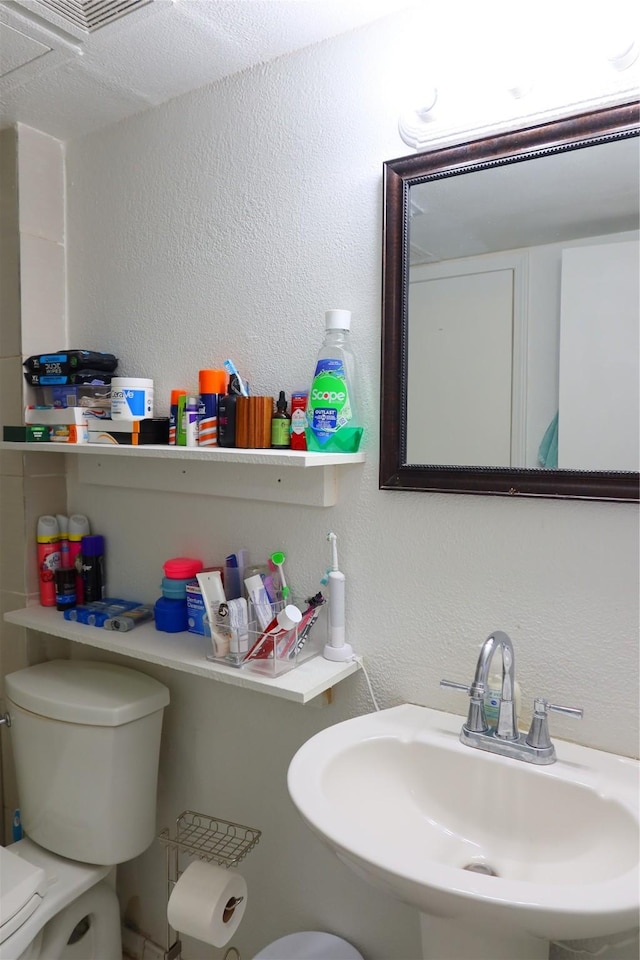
[482,868]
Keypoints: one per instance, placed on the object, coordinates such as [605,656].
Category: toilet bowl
[309,945]
[44,900]
[86,742]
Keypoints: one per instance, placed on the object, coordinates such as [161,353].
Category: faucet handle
[538,735]
[451,684]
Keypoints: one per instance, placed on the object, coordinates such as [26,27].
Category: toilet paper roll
[208,903]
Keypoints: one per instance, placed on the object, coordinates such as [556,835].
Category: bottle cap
[47,528]
[78,526]
[212,381]
[282,402]
[182,568]
[289,617]
[337,319]
[174,396]
[93,545]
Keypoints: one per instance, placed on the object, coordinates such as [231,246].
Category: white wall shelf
[186,652]
[209,471]
[276,458]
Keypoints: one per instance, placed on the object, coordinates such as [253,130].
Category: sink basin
[548,852]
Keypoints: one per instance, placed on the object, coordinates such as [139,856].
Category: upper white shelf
[277,458]
[186,652]
[188,470]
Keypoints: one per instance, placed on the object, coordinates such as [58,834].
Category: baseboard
[135,946]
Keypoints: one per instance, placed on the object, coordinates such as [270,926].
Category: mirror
[510,338]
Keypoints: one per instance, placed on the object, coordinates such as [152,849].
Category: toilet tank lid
[90,692]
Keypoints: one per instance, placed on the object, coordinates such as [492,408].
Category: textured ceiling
[67,81]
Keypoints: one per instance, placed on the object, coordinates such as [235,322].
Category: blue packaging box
[196,612]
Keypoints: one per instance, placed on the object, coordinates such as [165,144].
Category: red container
[298,421]
[182,568]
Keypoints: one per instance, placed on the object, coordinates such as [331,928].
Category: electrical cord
[360,662]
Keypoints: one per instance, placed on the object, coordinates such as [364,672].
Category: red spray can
[48,540]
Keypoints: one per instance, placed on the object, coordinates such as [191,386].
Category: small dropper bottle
[281,424]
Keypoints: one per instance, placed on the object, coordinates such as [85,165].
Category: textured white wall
[224,224]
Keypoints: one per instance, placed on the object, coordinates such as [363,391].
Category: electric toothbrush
[336,649]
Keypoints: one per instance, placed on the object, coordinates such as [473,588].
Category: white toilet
[310,945]
[86,742]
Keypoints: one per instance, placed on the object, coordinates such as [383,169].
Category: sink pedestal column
[458,940]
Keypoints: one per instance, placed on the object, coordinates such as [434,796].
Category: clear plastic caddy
[274,639]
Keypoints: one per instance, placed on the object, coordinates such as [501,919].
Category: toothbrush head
[278,559]
[333,540]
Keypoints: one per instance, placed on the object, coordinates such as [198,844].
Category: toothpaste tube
[129,620]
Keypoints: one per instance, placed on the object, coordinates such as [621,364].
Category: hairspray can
[63,533]
[48,540]
[211,383]
[92,550]
[77,529]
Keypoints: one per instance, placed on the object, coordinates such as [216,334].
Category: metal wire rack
[208,838]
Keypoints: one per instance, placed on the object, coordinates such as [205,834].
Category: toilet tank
[86,743]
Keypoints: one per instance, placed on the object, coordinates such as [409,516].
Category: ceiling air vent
[79,17]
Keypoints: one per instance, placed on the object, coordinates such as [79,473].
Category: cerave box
[129,432]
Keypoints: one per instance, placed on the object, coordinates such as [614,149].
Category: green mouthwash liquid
[333,425]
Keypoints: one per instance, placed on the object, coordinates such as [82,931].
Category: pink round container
[182,568]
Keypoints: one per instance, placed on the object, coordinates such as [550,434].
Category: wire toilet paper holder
[210,839]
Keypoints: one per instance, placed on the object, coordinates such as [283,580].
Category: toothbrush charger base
[338,654]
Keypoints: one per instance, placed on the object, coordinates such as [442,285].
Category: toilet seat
[22,887]
[309,945]
[48,883]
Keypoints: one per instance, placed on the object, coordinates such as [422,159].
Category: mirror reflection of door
[466,370]
[459,407]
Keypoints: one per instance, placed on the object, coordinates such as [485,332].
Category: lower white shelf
[187,653]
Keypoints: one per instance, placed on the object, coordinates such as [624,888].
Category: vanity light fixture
[524,86]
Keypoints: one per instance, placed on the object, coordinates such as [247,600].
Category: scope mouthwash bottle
[333,424]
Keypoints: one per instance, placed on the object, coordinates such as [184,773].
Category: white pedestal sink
[409,808]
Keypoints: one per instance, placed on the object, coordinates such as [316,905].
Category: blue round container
[171,615]
[175,589]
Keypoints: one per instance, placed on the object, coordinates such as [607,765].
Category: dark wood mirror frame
[585,129]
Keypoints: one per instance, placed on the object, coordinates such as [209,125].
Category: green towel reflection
[548,449]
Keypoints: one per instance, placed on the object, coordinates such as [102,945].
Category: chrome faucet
[504,738]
